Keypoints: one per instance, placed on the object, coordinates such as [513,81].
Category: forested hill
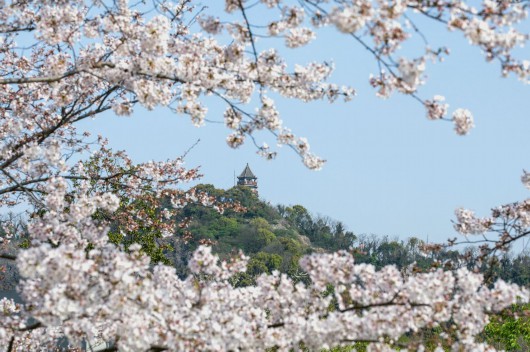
[277,236]
[274,236]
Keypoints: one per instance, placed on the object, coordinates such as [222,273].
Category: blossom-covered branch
[508,224]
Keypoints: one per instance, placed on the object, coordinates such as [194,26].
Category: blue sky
[390,171]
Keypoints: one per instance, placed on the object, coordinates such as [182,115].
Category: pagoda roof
[247,173]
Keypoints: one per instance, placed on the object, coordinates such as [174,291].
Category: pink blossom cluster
[468,223]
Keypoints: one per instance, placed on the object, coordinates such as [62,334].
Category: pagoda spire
[248,179]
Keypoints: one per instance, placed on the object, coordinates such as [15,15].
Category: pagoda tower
[247,179]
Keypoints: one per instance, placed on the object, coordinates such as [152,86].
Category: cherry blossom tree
[66,61]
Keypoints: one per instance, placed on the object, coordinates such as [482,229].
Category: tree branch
[11,344]
[8,256]
[32,326]
[48,79]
